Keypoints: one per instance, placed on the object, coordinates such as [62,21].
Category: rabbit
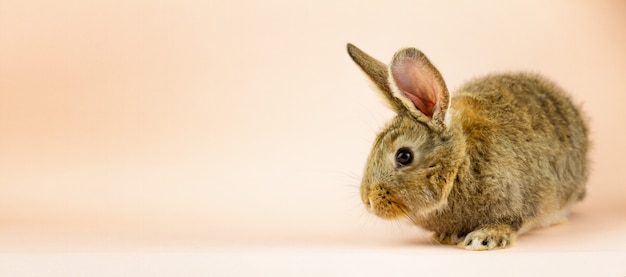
[505,154]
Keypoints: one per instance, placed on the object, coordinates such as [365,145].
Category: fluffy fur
[507,153]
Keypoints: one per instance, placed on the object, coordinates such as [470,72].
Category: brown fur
[508,155]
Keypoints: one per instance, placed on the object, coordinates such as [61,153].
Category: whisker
[408,215]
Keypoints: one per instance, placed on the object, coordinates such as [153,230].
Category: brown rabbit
[507,153]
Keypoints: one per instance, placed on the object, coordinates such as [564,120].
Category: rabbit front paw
[489,237]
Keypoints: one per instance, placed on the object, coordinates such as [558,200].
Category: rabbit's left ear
[419,86]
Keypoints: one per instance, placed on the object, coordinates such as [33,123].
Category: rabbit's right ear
[378,73]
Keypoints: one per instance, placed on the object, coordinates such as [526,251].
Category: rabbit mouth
[385,208]
[383,203]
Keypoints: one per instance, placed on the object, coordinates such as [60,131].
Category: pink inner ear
[416,84]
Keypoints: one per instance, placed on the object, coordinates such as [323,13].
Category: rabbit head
[414,160]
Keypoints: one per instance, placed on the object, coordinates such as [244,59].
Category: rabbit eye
[404,156]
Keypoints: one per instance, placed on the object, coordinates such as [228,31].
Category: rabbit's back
[525,141]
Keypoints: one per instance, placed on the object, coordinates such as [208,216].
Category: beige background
[243,126]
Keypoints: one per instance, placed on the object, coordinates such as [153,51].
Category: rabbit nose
[369,204]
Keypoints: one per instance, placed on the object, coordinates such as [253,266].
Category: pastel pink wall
[246,120]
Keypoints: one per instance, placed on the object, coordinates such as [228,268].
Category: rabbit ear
[378,73]
[419,86]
